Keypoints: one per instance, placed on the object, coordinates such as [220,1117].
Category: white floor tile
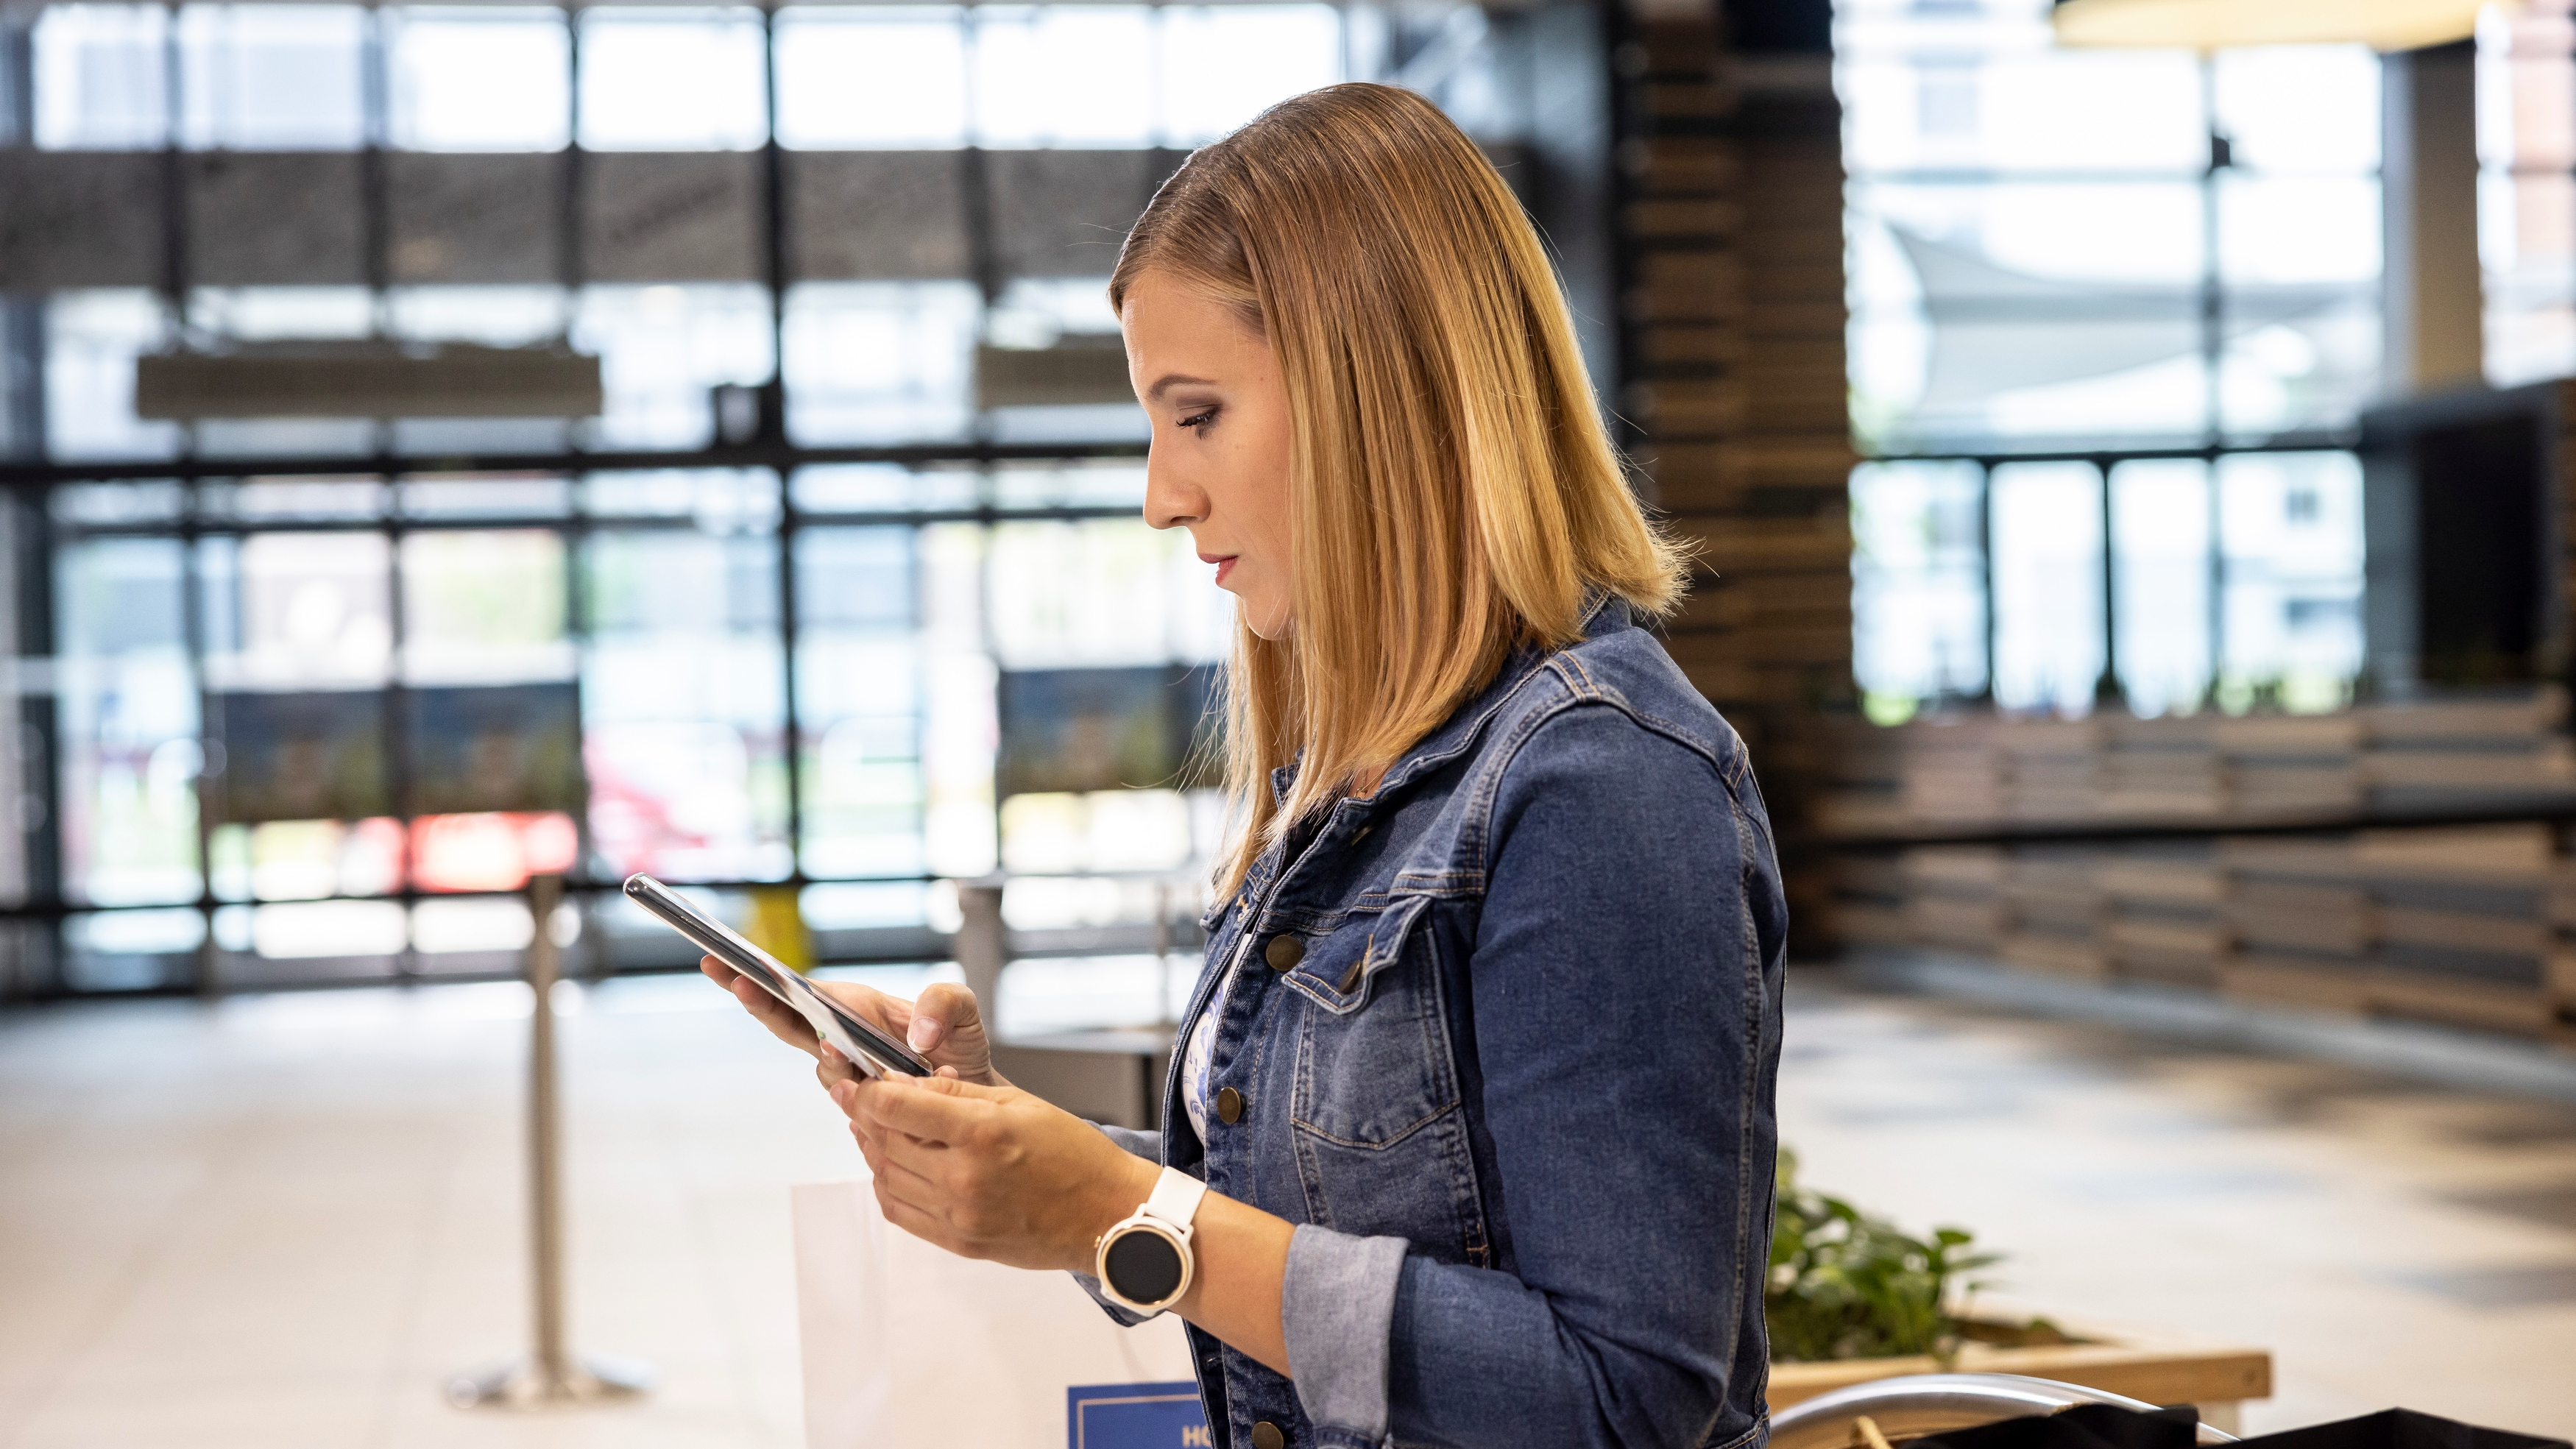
[286,1220]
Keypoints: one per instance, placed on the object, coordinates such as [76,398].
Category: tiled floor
[282,1221]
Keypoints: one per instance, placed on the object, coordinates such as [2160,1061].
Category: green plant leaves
[1844,1284]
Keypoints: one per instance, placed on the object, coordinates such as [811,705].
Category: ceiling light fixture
[2220,24]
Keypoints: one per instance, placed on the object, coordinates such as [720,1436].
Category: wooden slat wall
[2472,926]
[1734,317]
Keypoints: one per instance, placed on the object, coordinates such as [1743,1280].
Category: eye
[1197,420]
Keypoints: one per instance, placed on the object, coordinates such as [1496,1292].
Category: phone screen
[856,1038]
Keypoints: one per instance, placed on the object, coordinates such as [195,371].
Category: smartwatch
[1144,1261]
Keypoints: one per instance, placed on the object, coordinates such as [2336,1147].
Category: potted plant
[1852,1297]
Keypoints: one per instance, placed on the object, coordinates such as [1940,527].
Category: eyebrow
[1173,380]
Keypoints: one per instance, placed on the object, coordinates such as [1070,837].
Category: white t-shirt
[1199,1052]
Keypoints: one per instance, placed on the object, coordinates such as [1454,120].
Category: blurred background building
[446,445]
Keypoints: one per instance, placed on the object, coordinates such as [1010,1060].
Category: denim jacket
[1512,1077]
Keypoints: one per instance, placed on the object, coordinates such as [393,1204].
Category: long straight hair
[1452,492]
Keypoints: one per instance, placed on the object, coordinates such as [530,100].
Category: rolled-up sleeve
[1625,977]
[1149,1146]
[1335,1309]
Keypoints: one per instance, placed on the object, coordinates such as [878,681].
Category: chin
[1271,624]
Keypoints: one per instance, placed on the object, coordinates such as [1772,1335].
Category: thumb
[944,1010]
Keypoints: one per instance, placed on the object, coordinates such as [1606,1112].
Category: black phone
[871,1050]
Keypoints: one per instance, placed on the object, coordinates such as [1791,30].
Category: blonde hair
[1453,494]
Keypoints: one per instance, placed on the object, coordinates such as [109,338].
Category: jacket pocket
[1373,1050]
[1339,967]
[1380,1135]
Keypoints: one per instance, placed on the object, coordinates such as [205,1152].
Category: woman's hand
[990,1171]
[945,1024]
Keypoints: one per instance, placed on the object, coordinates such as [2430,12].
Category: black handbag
[2107,1426]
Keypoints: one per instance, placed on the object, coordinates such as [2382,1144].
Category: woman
[1471,1139]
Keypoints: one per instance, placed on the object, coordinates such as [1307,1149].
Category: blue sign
[1135,1416]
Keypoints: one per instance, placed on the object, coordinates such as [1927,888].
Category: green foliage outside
[1844,1284]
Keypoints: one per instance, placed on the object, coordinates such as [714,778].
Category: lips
[1224,564]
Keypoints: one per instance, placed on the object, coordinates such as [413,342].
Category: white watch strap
[1176,1198]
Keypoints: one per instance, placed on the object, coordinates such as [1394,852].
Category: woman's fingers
[926,1226]
[889,1014]
[871,1142]
[901,1180]
[768,1010]
[945,1025]
[870,1148]
[831,1068]
[991,1172]
[774,1014]
[943,1009]
[934,1109]
[948,1027]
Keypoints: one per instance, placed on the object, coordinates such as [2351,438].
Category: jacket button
[1229,1106]
[1284,952]
[1266,1435]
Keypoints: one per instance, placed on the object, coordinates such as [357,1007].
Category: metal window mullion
[791,716]
[2108,688]
[773,430]
[210,744]
[1986,569]
[2218,571]
[174,183]
[975,189]
[23,341]
[39,715]
[18,77]
[22,316]
[571,217]
[576,533]
[400,779]
[2213,349]
[375,86]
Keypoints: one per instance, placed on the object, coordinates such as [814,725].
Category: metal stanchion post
[551,1377]
[983,944]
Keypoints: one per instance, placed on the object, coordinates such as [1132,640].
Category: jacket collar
[1603,613]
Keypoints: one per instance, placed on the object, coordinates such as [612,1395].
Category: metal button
[1284,952]
[1266,1435]
[1229,1106]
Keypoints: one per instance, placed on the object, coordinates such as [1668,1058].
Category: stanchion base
[528,1384]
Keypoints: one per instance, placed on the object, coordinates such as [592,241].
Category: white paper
[909,1347]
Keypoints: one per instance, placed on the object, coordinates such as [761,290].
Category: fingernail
[924,1033]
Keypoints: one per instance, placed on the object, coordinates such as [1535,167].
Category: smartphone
[871,1050]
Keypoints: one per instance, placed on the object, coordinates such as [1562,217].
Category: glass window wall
[2527,190]
[273,77]
[774,654]
[672,78]
[2094,294]
[2049,245]
[488,78]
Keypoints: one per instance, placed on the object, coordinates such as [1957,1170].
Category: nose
[1171,501]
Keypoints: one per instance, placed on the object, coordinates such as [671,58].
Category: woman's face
[1219,465]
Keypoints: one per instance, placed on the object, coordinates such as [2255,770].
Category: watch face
[1143,1265]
